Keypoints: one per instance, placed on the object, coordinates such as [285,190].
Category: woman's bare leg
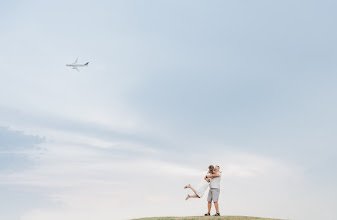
[187,186]
[195,191]
[193,196]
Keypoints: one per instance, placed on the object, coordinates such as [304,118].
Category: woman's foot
[187,186]
[187,197]
[207,214]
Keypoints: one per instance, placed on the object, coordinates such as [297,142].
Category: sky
[171,87]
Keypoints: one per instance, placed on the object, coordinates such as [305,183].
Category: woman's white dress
[202,188]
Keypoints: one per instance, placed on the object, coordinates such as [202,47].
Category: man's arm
[207,179]
[213,175]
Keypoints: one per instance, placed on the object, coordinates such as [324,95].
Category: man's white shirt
[215,182]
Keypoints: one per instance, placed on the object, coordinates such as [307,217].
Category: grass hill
[208,218]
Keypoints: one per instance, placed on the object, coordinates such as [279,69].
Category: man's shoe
[217,214]
[207,214]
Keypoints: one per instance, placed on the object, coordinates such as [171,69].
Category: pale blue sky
[171,87]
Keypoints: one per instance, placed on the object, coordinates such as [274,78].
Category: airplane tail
[86,64]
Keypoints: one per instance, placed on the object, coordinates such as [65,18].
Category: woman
[203,187]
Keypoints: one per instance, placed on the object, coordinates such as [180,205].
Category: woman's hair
[211,169]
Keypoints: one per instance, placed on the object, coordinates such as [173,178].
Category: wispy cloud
[172,87]
[91,179]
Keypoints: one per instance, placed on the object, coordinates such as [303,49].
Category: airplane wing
[76,68]
[75,61]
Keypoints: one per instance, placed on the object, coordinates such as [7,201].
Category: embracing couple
[211,180]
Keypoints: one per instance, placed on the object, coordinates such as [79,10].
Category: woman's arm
[213,175]
[207,179]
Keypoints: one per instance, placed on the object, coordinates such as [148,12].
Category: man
[214,191]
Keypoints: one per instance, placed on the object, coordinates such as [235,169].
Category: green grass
[208,218]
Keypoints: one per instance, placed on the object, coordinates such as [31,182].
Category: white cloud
[164,79]
[90,181]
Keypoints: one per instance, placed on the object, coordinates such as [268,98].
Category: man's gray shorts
[213,195]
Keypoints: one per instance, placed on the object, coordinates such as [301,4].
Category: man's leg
[216,205]
[216,194]
[209,200]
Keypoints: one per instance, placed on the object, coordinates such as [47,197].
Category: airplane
[75,65]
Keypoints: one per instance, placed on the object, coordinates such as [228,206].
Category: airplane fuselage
[75,65]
